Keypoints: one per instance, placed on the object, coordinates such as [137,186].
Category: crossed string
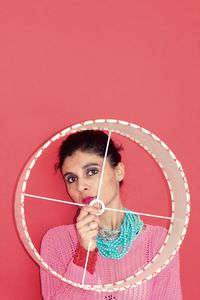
[98,194]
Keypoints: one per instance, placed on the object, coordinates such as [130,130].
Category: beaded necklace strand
[119,246]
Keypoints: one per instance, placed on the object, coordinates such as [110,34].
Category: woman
[120,244]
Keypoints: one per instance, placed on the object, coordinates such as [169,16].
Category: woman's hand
[87,226]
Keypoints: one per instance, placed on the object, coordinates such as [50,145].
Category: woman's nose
[82,186]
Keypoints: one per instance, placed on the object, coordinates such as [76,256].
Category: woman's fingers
[87,220]
[87,226]
[86,216]
[85,211]
[88,235]
[93,226]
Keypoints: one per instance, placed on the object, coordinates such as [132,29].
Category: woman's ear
[120,171]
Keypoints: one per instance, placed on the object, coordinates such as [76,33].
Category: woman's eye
[71,179]
[92,172]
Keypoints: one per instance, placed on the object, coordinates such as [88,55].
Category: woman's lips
[88,199]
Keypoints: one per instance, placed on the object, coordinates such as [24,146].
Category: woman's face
[82,171]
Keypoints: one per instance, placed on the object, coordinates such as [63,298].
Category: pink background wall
[62,62]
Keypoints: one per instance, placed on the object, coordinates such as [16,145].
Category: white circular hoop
[177,183]
[102,206]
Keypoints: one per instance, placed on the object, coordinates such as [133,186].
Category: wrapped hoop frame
[177,183]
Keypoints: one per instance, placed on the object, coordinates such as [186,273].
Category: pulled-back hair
[92,141]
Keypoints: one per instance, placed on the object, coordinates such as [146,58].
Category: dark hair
[93,141]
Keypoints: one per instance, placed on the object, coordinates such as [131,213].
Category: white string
[98,193]
[86,262]
[103,166]
[106,208]
[54,200]
[142,214]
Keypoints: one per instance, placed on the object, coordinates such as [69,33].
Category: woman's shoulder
[58,243]
[59,232]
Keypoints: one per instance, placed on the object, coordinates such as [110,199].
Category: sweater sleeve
[59,255]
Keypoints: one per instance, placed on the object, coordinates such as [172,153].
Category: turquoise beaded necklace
[118,247]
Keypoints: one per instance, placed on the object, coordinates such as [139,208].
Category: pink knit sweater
[58,249]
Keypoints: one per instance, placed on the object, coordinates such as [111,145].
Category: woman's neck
[112,219]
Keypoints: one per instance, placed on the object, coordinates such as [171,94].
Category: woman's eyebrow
[90,165]
[84,167]
[68,173]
